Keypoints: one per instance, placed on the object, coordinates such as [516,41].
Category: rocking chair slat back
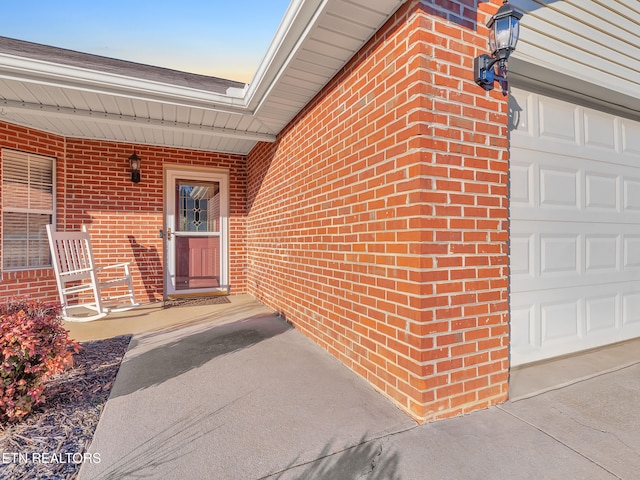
[72,254]
[76,273]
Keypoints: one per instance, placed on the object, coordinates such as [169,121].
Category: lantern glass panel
[502,34]
[135,162]
[492,40]
[515,33]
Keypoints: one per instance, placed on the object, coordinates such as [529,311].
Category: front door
[196,231]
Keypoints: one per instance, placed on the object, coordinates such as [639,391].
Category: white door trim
[171,174]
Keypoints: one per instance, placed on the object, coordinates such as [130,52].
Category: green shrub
[33,347]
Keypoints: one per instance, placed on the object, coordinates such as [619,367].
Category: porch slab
[153,317]
[238,393]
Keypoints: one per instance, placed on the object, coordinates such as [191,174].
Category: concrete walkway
[241,395]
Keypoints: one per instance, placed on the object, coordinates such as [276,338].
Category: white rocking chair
[77,276]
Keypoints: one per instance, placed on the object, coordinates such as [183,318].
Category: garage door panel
[553,321]
[522,185]
[631,257]
[559,254]
[631,308]
[549,186]
[560,320]
[548,321]
[630,137]
[632,194]
[522,255]
[523,329]
[586,133]
[602,253]
[601,313]
[602,192]
[555,255]
[557,121]
[559,188]
[574,228]
[600,131]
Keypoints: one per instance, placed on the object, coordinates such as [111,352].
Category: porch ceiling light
[504,28]
[134,162]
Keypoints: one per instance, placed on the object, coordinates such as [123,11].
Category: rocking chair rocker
[78,277]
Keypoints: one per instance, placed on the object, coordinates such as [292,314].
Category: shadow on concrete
[155,458]
[368,460]
[156,358]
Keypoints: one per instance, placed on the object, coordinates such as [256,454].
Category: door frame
[173,172]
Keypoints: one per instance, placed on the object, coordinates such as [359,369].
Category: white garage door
[575,227]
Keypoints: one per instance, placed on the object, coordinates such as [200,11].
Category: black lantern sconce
[504,29]
[134,162]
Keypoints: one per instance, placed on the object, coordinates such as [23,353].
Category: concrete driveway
[242,395]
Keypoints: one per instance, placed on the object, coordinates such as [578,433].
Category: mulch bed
[51,443]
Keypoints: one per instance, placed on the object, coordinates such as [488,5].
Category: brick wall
[94,187]
[377,224]
[38,283]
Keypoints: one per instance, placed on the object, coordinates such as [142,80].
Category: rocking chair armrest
[114,265]
[70,273]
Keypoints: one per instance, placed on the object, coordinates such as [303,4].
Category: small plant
[34,346]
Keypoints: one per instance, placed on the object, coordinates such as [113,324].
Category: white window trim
[51,212]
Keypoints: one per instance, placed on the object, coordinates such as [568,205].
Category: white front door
[574,227]
[196,231]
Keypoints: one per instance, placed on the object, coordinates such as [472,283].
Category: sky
[221,38]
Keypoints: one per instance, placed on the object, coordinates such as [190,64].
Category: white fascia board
[118,119]
[293,29]
[63,76]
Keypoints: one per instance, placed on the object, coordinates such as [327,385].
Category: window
[27,207]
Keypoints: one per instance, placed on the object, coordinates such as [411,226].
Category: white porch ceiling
[86,96]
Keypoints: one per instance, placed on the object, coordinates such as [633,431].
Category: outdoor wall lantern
[504,28]
[134,162]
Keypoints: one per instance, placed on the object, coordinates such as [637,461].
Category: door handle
[169,233]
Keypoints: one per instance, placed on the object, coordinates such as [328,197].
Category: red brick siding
[38,283]
[94,187]
[378,222]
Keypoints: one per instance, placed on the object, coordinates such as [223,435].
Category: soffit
[86,96]
[334,32]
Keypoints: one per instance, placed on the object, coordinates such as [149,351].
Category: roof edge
[40,71]
[296,22]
